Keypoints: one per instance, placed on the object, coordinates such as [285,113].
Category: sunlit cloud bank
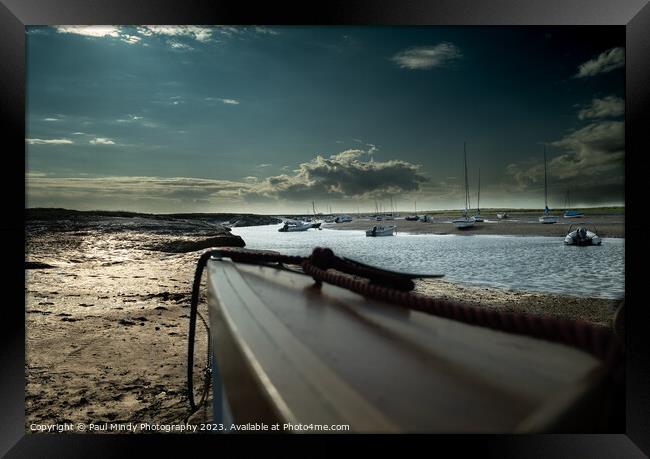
[341,176]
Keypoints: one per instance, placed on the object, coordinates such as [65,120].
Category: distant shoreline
[607,225]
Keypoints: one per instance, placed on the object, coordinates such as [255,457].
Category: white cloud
[179,46]
[131,39]
[610,106]
[427,57]
[51,119]
[101,141]
[200,34]
[266,31]
[48,141]
[606,62]
[129,119]
[91,31]
[223,101]
[99,32]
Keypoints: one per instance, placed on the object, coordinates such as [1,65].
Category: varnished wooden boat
[288,350]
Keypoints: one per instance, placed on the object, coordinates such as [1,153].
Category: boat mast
[478,203]
[545,192]
[466,187]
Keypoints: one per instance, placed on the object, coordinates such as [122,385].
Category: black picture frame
[15,15]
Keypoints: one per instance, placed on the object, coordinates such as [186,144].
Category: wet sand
[517,224]
[107,321]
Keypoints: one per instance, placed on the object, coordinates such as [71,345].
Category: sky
[267,119]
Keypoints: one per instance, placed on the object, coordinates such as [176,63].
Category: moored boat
[581,236]
[381,231]
[292,225]
[465,221]
[567,205]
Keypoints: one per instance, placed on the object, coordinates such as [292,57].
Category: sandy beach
[107,304]
[522,223]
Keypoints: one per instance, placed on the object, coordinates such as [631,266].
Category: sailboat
[465,221]
[478,217]
[316,223]
[414,217]
[570,213]
[547,217]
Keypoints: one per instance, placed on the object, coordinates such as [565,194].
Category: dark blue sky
[267,119]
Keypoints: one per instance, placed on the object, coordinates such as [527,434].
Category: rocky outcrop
[184,245]
[255,220]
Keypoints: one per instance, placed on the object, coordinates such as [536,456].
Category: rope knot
[322,257]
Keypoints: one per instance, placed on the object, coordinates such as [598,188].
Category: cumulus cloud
[427,57]
[101,141]
[591,164]
[342,175]
[592,150]
[48,141]
[605,62]
[607,107]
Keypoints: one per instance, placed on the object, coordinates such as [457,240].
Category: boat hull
[464,223]
[591,238]
[289,352]
[573,215]
[291,229]
[548,219]
[381,231]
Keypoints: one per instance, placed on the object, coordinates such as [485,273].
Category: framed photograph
[353,218]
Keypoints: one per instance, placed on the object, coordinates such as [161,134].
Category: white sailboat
[465,221]
[547,218]
[567,206]
[478,216]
